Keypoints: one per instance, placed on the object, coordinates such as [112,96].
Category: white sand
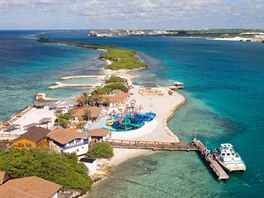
[157,129]
[85,76]
[62,85]
[237,38]
[32,116]
[122,155]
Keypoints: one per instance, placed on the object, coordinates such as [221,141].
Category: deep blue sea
[224,87]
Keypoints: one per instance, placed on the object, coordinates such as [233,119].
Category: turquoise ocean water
[224,90]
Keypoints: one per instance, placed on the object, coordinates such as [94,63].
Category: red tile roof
[95,111]
[120,97]
[34,134]
[3,177]
[63,136]
[98,132]
[29,187]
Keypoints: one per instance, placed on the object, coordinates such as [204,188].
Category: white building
[68,141]
[91,164]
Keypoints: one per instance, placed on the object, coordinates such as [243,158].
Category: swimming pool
[102,124]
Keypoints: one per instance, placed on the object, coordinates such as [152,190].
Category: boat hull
[232,168]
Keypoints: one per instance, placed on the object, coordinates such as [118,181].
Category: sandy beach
[237,38]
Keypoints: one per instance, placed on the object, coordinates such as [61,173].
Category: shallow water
[28,67]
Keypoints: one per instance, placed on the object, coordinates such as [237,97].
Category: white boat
[179,85]
[228,158]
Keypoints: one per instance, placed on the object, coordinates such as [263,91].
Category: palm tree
[81,100]
[86,96]
[107,101]
[71,113]
[98,98]
[87,114]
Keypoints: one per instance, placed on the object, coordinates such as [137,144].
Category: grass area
[121,58]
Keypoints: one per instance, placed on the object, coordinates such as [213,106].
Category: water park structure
[130,121]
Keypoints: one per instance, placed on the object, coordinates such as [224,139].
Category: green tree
[107,101]
[100,150]
[63,120]
[87,114]
[84,97]
[81,100]
[62,169]
[107,89]
[97,98]
[71,113]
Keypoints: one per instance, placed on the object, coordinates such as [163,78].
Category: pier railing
[152,145]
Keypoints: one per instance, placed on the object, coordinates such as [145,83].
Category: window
[78,140]
[20,145]
[28,145]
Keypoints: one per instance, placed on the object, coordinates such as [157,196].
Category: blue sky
[157,14]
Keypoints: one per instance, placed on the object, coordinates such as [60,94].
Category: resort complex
[87,125]
[66,144]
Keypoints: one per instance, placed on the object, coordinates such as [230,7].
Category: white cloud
[148,11]
[161,8]
[10,5]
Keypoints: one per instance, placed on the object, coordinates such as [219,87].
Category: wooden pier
[218,170]
[196,145]
[152,145]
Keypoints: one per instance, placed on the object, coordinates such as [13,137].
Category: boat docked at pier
[228,158]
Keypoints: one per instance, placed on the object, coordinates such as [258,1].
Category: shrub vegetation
[100,150]
[107,89]
[121,58]
[62,169]
[115,79]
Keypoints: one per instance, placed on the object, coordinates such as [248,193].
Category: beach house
[68,141]
[116,99]
[34,137]
[29,187]
[99,134]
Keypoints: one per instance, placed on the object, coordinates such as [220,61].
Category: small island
[120,58]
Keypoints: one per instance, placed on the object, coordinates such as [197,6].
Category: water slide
[143,117]
[110,122]
[125,124]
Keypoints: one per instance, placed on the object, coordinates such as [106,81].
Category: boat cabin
[179,85]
